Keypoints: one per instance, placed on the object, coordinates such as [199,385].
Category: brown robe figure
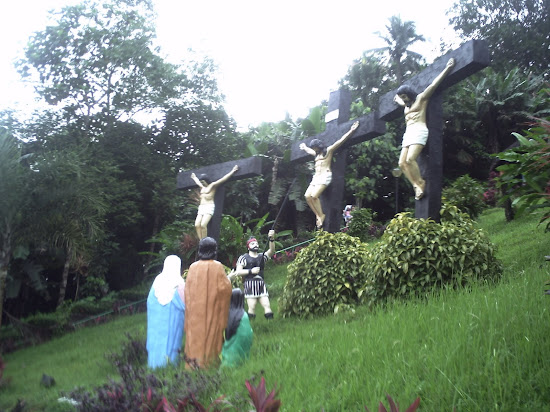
[207,301]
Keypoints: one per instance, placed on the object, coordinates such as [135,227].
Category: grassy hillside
[483,349]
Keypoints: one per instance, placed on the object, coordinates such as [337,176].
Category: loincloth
[415,134]
[207,209]
[322,178]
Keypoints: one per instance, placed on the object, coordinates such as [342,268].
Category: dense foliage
[124,121]
[325,275]
[416,255]
[517,30]
[525,175]
[467,195]
[363,226]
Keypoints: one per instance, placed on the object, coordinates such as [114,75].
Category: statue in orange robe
[207,301]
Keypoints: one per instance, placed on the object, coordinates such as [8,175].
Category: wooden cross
[470,58]
[249,167]
[337,124]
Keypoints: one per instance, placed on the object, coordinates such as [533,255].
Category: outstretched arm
[307,149]
[341,140]
[426,94]
[226,177]
[271,238]
[196,180]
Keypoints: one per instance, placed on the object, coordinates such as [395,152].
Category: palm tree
[13,198]
[399,36]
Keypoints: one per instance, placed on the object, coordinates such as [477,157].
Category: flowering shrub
[285,256]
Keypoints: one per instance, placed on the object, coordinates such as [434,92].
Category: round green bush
[360,224]
[415,255]
[466,194]
[325,274]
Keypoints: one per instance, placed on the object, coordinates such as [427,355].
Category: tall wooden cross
[249,167]
[470,58]
[337,124]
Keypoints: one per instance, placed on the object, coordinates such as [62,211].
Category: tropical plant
[525,177]
[466,194]
[395,408]
[261,401]
[416,255]
[482,114]
[399,36]
[368,79]
[325,274]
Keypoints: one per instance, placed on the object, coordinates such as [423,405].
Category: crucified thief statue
[323,173]
[207,206]
[416,132]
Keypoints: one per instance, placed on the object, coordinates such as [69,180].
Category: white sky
[274,57]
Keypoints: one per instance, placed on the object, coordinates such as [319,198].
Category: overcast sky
[274,57]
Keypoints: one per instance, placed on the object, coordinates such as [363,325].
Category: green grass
[75,359]
[482,349]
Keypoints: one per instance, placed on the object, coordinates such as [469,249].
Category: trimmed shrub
[49,324]
[136,293]
[91,306]
[416,255]
[324,275]
[362,225]
[95,287]
[466,194]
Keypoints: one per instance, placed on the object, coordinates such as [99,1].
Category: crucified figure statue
[207,206]
[416,132]
[323,172]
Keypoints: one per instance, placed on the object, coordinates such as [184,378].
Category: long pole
[277,217]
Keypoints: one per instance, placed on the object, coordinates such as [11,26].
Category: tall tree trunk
[156,223]
[64,278]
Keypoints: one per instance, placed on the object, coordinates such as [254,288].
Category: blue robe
[164,330]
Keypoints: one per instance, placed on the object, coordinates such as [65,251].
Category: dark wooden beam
[249,167]
[471,57]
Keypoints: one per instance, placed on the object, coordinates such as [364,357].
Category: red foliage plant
[261,401]
[394,407]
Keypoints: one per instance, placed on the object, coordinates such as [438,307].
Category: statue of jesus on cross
[416,133]
[323,172]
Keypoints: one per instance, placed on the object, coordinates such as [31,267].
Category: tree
[13,201]
[368,172]
[97,62]
[516,30]
[367,79]
[399,36]
[68,210]
[99,59]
